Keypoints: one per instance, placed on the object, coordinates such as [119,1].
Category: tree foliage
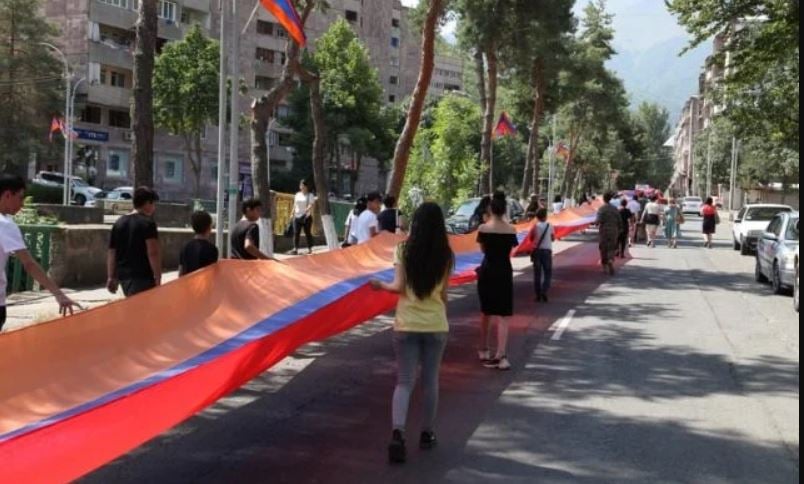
[186,92]
[31,83]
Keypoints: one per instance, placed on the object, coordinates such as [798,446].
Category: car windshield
[467,209]
[693,200]
[764,214]
[79,183]
[792,231]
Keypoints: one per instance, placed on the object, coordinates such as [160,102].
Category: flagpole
[550,183]
[234,133]
[219,213]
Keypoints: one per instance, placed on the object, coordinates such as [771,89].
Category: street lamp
[66,200]
[68,126]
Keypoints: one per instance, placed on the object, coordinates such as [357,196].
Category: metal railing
[38,241]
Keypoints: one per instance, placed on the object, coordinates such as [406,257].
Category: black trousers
[303,223]
[623,244]
[2,317]
[132,287]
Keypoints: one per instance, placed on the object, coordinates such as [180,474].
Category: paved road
[679,369]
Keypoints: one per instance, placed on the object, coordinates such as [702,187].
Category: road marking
[561,326]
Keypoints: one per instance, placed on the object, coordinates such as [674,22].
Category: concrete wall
[71,215]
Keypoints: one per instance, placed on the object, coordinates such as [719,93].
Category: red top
[708,211]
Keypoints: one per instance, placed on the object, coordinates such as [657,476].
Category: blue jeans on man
[542,271]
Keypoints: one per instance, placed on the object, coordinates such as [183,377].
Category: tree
[185,92]
[443,162]
[653,163]
[435,13]
[31,83]
[142,113]
[761,61]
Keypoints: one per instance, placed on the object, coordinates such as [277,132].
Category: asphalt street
[678,369]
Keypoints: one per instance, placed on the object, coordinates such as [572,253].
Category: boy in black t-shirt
[199,252]
[245,237]
[134,260]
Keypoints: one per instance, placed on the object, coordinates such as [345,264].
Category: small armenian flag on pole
[504,127]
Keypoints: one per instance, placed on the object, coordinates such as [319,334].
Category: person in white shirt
[367,226]
[558,204]
[543,236]
[636,209]
[303,205]
[350,227]
[12,194]
[652,218]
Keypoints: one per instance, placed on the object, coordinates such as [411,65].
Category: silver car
[776,252]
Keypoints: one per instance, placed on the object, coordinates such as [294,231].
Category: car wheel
[736,244]
[80,200]
[776,279]
[758,275]
[744,249]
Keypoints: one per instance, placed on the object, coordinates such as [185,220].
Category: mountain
[658,74]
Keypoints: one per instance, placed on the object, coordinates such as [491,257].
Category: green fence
[340,212]
[38,241]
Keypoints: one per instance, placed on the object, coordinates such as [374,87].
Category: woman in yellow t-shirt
[422,265]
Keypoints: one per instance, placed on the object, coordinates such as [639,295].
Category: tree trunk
[143,112]
[192,144]
[488,121]
[319,159]
[526,177]
[405,143]
[480,72]
[539,89]
[262,110]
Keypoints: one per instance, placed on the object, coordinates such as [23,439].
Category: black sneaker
[428,441]
[397,454]
[544,298]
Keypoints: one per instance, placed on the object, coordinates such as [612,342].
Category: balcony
[107,54]
[110,96]
[202,5]
[103,13]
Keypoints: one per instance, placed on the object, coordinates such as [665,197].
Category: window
[394,61]
[395,42]
[396,23]
[282,112]
[351,16]
[116,79]
[264,83]
[392,99]
[393,80]
[116,3]
[281,32]
[173,170]
[117,164]
[119,119]
[792,230]
[91,115]
[265,28]
[265,55]
[167,10]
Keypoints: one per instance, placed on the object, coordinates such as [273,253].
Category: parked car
[80,190]
[118,194]
[796,284]
[692,205]
[458,221]
[751,223]
[776,252]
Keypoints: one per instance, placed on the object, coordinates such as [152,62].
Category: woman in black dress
[710,221]
[495,283]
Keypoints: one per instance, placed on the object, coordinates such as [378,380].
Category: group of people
[423,265]
[372,215]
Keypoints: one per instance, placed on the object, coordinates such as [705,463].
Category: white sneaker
[484,355]
[503,364]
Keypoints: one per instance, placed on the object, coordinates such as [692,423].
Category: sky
[639,24]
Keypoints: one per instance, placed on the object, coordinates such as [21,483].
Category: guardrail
[38,241]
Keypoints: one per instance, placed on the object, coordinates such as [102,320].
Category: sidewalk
[29,308]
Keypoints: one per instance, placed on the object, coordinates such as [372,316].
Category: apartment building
[97,37]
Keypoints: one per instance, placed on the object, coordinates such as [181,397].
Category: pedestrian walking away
[245,238]
[711,219]
[422,265]
[609,222]
[367,226]
[12,196]
[134,260]
[628,221]
[390,219]
[673,220]
[303,205]
[199,252]
[350,227]
[542,255]
[636,210]
[652,218]
[495,284]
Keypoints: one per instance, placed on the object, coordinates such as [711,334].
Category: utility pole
[735,156]
[68,126]
[552,170]
[219,212]
[67,89]
[234,133]
[709,162]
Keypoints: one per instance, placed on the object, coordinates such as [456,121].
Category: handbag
[680,220]
[717,218]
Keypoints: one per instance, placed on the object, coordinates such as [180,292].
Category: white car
[80,190]
[116,195]
[796,284]
[750,225]
[692,205]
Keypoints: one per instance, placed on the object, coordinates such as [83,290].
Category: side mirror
[770,237]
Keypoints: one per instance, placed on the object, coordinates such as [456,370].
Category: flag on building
[55,127]
[504,127]
[288,17]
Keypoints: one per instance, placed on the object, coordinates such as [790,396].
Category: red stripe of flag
[505,127]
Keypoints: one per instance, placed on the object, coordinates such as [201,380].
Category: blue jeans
[413,349]
[542,271]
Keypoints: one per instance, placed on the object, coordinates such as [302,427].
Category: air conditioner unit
[128,135]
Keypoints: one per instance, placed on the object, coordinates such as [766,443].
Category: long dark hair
[427,256]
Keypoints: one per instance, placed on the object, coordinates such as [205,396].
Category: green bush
[29,216]
[44,194]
